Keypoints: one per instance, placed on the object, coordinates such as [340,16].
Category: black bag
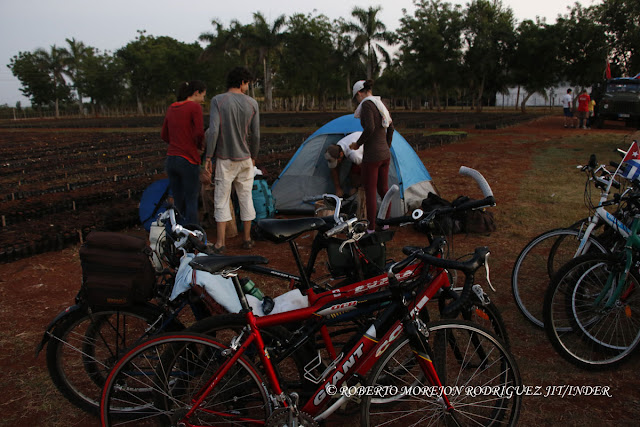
[372,246]
[471,221]
[478,221]
[441,225]
[116,270]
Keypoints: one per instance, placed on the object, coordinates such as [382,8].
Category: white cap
[357,87]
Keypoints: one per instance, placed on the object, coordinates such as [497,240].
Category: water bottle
[250,288]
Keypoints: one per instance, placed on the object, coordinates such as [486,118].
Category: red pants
[375,180]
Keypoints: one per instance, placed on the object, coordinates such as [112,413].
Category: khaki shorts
[238,174]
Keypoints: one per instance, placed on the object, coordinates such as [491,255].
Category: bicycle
[546,253]
[84,341]
[188,379]
[590,307]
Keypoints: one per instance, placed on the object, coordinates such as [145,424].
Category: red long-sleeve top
[183,130]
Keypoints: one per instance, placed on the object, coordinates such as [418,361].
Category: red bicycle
[397,367]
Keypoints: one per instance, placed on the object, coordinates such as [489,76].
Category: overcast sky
[26,25]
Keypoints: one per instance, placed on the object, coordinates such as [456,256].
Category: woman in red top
[377,133]
[183,130]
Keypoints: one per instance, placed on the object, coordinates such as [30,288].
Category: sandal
[248,244]
[217,251]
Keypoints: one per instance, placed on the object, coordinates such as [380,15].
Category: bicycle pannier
[116,269]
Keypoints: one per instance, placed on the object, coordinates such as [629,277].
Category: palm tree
[55,62]
[369,33]
[77,56]
[268,41]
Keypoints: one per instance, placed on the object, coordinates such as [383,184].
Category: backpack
[263,201]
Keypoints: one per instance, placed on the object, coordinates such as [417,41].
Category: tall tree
[310,41]
[489,36]
[535,65]
[166,59]
[55,62]
[584,48]
[34,77]
[268,41]
[431,47]
[370,33]
[621,19]
[103,79]
[77,54]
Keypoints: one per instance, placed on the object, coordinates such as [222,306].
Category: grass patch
[554,185]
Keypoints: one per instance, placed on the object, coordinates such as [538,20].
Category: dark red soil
[34,289]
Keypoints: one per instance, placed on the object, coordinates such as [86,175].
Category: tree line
[443,55]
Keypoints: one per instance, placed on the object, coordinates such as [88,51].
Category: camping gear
[263,201]
[307,173]
[153,202]
[116,269]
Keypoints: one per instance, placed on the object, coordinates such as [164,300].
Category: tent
[307,173]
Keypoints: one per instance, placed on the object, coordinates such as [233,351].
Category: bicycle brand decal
[616,223]
[340,373]
[347,306]
[379,283]
[383,347]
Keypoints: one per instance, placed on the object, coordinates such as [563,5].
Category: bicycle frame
[633,243]
[601,214]
[359,359]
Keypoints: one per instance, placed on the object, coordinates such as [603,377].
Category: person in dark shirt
[183,130]
[377,133]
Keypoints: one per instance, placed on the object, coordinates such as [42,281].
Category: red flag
[607,72]
[633,153]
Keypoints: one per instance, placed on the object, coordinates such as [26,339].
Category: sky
[26,25]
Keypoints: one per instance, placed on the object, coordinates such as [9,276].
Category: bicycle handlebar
[419,215]
[477,176]
[468,268]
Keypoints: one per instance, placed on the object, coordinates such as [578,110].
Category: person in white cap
[376,139]
[335,155]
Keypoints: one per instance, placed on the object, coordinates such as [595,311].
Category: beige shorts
[239,175]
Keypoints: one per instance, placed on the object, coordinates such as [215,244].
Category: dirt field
[35,289]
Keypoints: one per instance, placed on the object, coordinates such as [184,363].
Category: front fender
[56,320]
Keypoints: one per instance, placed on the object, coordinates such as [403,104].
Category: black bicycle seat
[216,263]
[283,230]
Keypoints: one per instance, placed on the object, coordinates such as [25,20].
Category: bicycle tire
[156,382]
[452,342]
[536,265]
[84,347]
[581,329]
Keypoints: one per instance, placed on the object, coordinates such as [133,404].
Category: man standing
[583,108]
[567,104]
[233,138]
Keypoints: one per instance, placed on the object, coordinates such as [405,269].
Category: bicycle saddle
[215,263]
[283,230]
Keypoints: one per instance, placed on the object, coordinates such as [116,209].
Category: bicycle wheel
[158,383]
[474,366]
[83,349]
[538,262]
[586,323]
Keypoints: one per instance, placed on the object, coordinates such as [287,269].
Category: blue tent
[307,173]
